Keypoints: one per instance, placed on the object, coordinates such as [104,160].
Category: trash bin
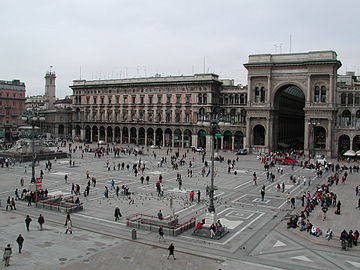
[133,234]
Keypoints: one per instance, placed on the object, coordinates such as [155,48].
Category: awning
[349,153]
[202,133]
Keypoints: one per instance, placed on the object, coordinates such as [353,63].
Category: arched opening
[259,135]
[141,139]
[227,140]
[159,137]
[95,136]
[117,134]
[102,133]
[356,143]
[133,135]
[150,136]
[125,135]
[289,103]
[344,144]
[343,99]
[77,130]
[61,130]
[320,138]
[238,140]
[87,134]
[346,118]
[168,137]
[357,120]
[177,138]
[187,140]
[202,138]
[109,134]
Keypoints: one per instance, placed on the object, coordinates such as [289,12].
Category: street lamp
[32,118]
[314,123]
[214,126]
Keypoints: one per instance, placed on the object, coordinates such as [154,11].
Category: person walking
[117,214]
[7,255]
[160,215]
[66,178]
[67,219]
[324,209]
[20,241]
[338,208]
[198,196]
[161,233]
[171,249]
[8,204]
[68,226]
[27,222]
[41,221]
[262,193]
[13,203]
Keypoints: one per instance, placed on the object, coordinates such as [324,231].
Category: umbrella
[349,153]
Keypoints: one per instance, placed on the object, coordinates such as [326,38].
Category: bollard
[133,234]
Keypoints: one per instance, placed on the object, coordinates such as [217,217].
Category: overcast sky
[119,38]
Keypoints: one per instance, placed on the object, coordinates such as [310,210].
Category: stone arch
[117,134]
[109,138]
[133,135]
[102,133]
[201,138]
[150,136]
[159,137]
[238,140]
[177,138]
[343,144]
[259,135]
[61,130]
[356,143]
[187,140]
[95,132]
[227,140]
[77,130]
[141,138]
[125,135]
[87,134]
[168,137]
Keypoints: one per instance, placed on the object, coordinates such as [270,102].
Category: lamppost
[214,126]
[32,118]
[314,123]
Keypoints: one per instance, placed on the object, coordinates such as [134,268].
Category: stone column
[91,134]
[146,138]
[82,134]
[247,144]
[328,139]
[106,138]
[331,90]
[249,96]
[113,135]
[268,90]
[208,143]
[194,140]
[308,90]
[307,134]
[163,139]
[222,142]
[121,135]
[232,142]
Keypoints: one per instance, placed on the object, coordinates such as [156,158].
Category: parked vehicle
[242,151]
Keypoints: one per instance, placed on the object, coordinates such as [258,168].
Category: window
[158,116]
[102,100]
[87,100]
[320,94]
[125,100]
[142,100]
[94,116]
[109,115]
[200,98]
[133,99]
[150,116]
[357,99]
[236,99]
[117,99]
[201,114]
[116,116]
[187,117]
[109,99]
[150,99]
[188,98]
[204,99]
[168,117]
[125,115]
[350,99]
[178,99]
[177,117]
[231,99]
[343,99]
[168,99]
[159,97]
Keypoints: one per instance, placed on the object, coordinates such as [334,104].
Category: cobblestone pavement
[258,237]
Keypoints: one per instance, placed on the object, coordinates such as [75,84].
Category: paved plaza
[258,237]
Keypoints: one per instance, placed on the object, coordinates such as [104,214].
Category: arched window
[242,99]
[200,99]
[243,116]
[231,99]
[226,99]
[257,94]
[346,118]
[357,99]
[262,95]
[236,99]
[350,99]
[317,94]
[204,99]
[232,115]
[201,114]
[343,99]
[323,94]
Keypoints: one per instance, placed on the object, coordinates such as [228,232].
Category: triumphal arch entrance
[291,102]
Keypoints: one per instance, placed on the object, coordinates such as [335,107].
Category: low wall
[39,156]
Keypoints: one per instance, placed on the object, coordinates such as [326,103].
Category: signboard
[38,182]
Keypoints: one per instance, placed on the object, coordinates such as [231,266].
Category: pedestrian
[20,241]
[7,255]
[161,233]
[66,178]
[68,226]
[117,214]
[262,193]
[338,208]
[8,204]
[324,210]
[191,195]
[22,182]
[41,221]
[67,219]
[27,222]
[198,195]
[160,215]
[171,249]
[13,203]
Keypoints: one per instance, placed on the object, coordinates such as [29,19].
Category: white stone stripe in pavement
[99,219]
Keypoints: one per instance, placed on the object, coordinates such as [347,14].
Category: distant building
[12,103]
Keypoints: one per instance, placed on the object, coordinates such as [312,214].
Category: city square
[257,229]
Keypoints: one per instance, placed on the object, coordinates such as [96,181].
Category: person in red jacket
[191,195]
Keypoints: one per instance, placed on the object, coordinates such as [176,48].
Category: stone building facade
[293,101]
[163,111]
[12,103]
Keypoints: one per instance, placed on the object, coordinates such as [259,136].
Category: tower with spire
[50,96]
